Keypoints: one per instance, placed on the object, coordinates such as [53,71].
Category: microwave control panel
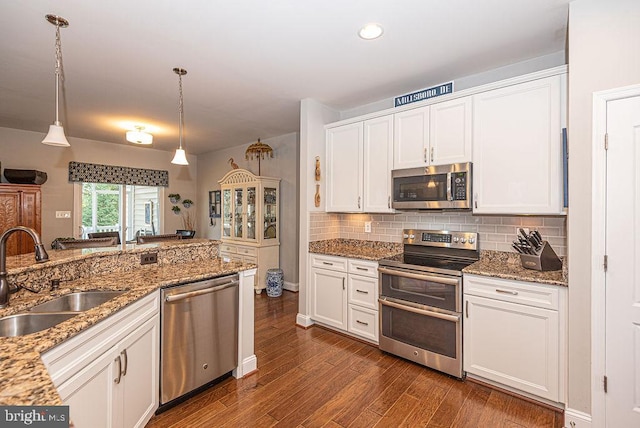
[459,186]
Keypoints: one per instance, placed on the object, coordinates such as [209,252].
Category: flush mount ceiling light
[180,157]
[371,31]
[55,136]
[139,137]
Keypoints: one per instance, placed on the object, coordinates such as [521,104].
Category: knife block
[545,260]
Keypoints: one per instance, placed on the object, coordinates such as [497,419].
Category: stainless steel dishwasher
[199,335]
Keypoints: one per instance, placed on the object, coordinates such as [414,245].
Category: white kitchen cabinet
[250,221]
[359,163]
[108,374]
[433,135]
[411,138]
[517,148]
[514,335]
[344,294]
[450,131]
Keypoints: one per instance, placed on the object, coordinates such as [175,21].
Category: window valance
[96,173]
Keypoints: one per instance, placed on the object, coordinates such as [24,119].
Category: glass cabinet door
[270,212]
[238,223]
[251,213]
[226,213]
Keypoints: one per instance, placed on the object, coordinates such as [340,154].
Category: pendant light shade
[180,157]
[55,136]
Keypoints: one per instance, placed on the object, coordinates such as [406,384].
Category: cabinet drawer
[329,262]
[363,267]
[226,248]
[363,322]
[525,293]
[247,251]
[250,259]
[363,291]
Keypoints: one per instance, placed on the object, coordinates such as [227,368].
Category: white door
[411,138]
[450,131]
[344,168]
[623,273]
[329,297]
[378,163]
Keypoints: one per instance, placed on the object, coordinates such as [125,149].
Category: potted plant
[174,198]
[176,209]
[187,203]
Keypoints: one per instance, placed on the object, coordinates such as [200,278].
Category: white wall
[23,150]
[604,53]
[284,165]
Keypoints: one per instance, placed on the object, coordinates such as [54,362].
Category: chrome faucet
[41,256]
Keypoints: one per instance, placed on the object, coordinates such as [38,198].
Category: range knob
[405,236]
[412,236]
[463,240]
[471,240]
[456,239]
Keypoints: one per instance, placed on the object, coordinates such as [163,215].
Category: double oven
[420,298]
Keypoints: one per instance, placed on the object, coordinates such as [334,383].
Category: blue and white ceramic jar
[274,282]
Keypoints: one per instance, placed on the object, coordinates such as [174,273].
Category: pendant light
[180,157]
[56,137]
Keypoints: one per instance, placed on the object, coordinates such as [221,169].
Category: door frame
[598,292]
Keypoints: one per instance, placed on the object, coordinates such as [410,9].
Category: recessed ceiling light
[371,31]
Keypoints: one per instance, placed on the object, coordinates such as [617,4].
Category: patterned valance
[95,173]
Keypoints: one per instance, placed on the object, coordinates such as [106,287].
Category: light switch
[63,214]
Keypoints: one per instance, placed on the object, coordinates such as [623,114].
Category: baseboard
[249,365]
[295,287]
[576,419]
[304,320]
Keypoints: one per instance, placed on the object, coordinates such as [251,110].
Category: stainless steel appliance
[199,334]
[421,298]
[439,187]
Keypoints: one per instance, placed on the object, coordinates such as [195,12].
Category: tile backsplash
[496,232]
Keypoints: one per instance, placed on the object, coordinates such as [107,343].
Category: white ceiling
[249,62]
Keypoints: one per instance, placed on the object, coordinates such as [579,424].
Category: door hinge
[606,262]
[606,141]
[606,382]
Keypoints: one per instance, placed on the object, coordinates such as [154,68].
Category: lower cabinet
[108,374]
[265,257]
[344,294]
[514,335]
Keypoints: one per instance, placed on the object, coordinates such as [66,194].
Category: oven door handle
[446,317]
[424,277]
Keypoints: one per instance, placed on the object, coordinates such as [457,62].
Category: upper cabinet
[359,163]
[433,135]
[517,148]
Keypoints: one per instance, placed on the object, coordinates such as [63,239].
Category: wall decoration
[215,204]
[317,197]
[233,164]
[317,168]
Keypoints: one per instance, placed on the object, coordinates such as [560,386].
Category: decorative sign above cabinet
[423,94]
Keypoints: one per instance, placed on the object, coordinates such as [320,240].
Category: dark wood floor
[318,378]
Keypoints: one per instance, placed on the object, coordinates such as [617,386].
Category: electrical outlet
[367,227]
[63,214]
[148,258]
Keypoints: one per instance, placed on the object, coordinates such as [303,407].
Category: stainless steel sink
[21,324]
[76,302]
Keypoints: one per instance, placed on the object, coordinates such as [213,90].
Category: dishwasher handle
[182,296]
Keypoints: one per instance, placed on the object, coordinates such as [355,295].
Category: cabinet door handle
[117,380]
[466,308]
[343,283]
[431,154]
[359,202]
[389,202]
[514,293]
[327,263]
[362,322]
[126,362]
[362,291]
[425,155]
[475,200]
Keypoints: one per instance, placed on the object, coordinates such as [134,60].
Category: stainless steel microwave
[439,187]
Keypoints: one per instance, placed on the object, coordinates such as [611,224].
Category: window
[136,210]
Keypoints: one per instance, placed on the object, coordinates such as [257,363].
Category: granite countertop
[356,249]
[24,379]
[505,265]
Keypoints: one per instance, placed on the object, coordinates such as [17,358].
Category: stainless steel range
[421,298]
